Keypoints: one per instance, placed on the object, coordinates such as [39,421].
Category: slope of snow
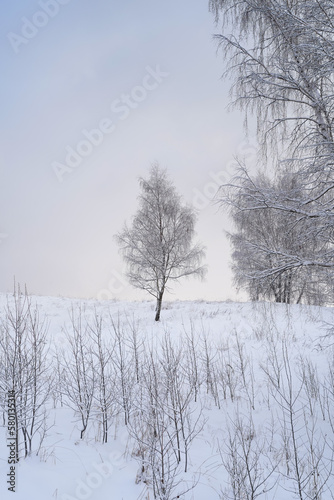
[68,468]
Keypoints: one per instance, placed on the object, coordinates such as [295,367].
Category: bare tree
[265,241]
[78,377]
[307,452]
[135,343]
[245,365]
[280,58]
[157,248]
[247,461]
[154,433]
[178,394]
[125,368]
[191,364]
[228,373]
[104,395]
[25,370]
[163,423]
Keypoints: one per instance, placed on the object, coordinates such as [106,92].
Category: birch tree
[280,59]
[264,240]
[157,248]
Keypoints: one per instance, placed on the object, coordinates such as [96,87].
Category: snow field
[238,395]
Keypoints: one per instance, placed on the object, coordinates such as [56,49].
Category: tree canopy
[158,246]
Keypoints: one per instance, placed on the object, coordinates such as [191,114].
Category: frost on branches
[158,247]
[281,60]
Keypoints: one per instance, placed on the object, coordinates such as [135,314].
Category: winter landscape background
[241,385]
[104,393]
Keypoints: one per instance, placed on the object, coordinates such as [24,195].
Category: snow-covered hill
[239,394]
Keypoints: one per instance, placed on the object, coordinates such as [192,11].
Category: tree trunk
[289,287]
[158,308]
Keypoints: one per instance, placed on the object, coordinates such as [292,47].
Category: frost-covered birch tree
[280,58]
[264,239]
[158,246]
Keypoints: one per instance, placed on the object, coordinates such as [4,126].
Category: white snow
[68,468]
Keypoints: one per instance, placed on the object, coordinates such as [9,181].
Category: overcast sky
[146,74]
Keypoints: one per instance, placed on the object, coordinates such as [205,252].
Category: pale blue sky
[63,81]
